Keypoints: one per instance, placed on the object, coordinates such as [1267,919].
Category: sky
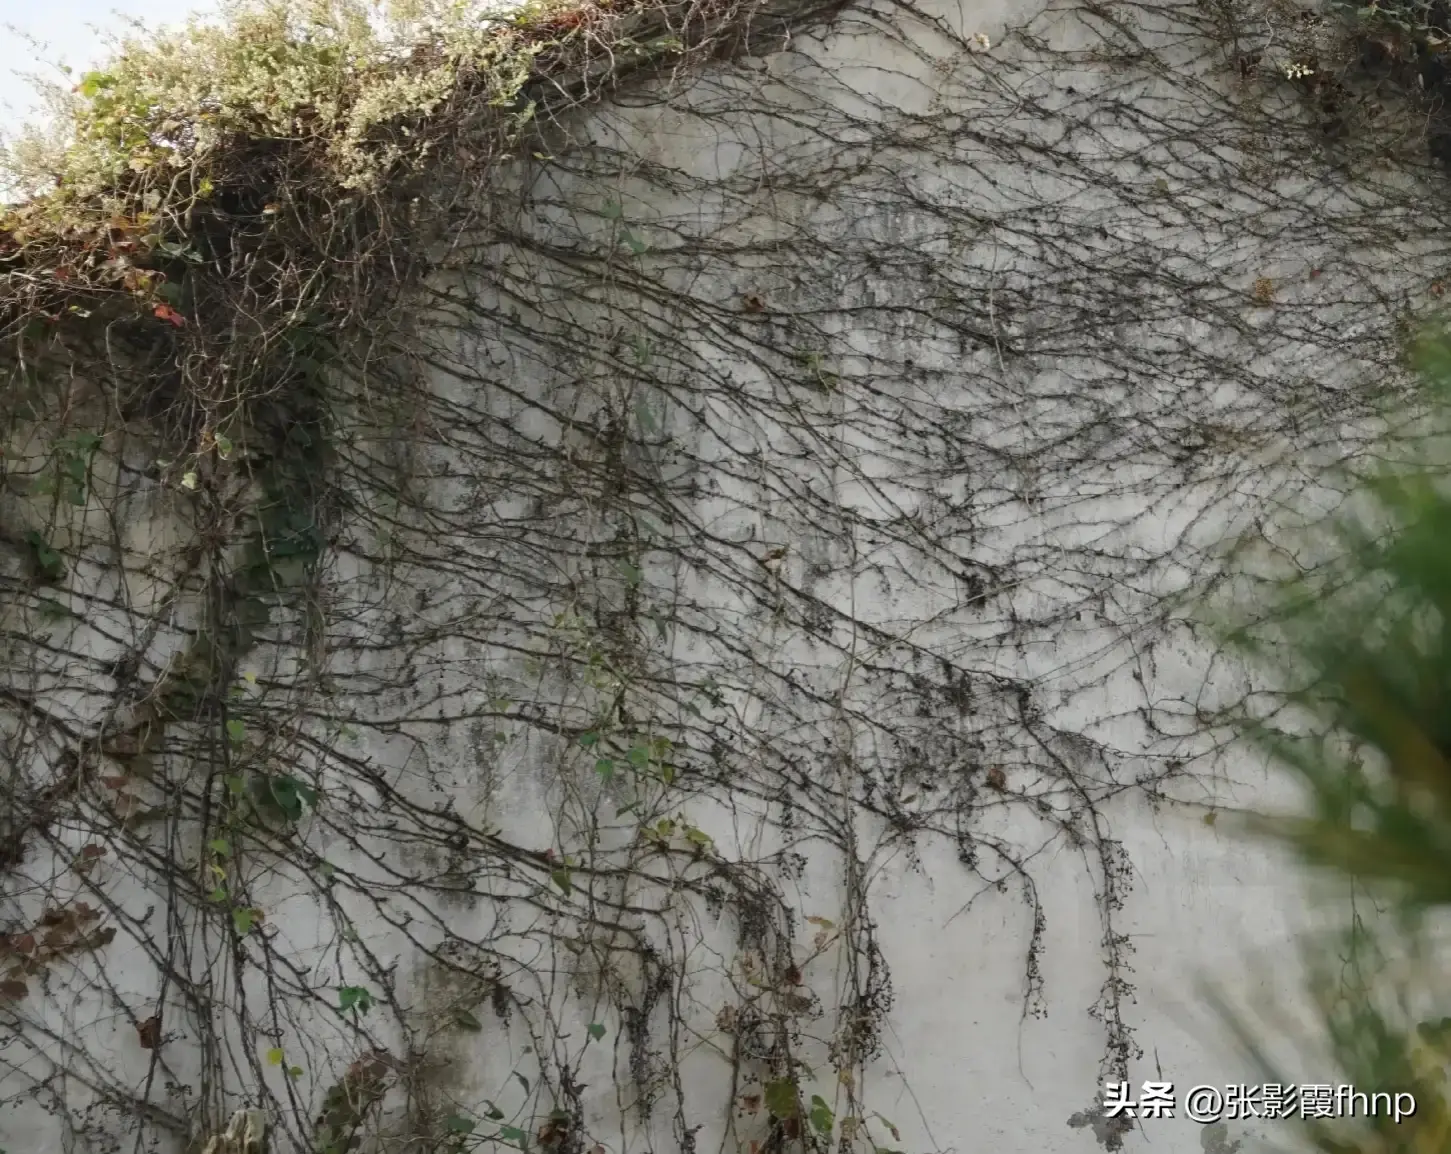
[67,32]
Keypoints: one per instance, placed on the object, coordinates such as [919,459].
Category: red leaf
[167,313]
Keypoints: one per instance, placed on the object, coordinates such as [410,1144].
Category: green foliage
[782,1098]
[47,562]
[1364,644]
[282,795]
[320,72]
[354,998]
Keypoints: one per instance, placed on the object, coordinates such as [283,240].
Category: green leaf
[294,1071]
[467,1021]
[243,920]
[236,731]
[354,998]
[612,210]
[220,846]
[47,560]
[493,1113]
[589,739]
[53,610]
[523,1081]
[821,1117]
[605,768]
[458,1124]
[781,1098]
[561,878]
[218,895]
[513,1134]
[94,83]
[274,1056]
[596,1031]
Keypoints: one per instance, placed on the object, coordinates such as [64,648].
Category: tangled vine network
[484,541]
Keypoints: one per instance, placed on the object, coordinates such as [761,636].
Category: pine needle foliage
[1365,642]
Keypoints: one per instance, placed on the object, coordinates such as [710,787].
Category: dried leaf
[12,990]
[148,1033]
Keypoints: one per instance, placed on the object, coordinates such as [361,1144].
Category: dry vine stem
[379,426]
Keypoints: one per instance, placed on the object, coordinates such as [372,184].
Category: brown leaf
[90,853]
[753,303]
[25,944]
[148,1033]
[793,975]
[996,778]
[12,990]
[115,782]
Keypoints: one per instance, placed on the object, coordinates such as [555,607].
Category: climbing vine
[469,566]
